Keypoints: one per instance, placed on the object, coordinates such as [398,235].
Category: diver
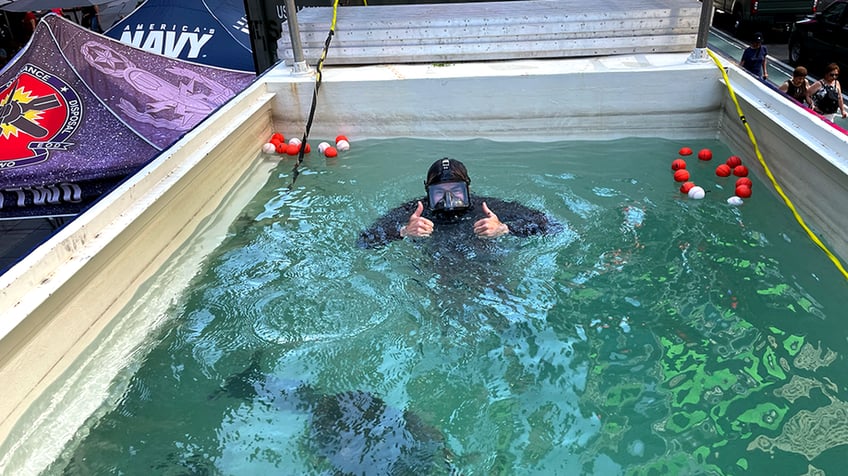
[454,213]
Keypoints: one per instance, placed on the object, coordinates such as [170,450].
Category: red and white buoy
[733,161]
[681,175]
[696,193]
[740,171]
[342,143]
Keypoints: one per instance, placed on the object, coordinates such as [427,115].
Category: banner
[210,32]
[80,111]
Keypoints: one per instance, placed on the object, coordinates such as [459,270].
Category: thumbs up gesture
[490,226]
[418,226]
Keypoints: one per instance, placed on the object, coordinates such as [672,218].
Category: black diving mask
[449,196]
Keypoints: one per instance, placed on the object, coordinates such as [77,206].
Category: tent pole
[299,65]
[11,33]
[699,54]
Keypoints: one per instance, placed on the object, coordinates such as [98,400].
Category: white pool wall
[56,302]
[591,98]
[808,157]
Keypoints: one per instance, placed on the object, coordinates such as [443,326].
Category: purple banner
[78,109]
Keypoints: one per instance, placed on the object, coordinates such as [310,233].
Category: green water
[655,335]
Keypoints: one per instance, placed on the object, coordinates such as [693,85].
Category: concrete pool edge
[560,95]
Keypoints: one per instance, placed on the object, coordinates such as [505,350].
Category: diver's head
[447,186]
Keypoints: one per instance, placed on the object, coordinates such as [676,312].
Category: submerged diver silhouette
[355,431]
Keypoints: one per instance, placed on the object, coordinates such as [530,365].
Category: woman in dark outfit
[796,86]
[754,58]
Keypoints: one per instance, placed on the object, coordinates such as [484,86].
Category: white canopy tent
[111,11]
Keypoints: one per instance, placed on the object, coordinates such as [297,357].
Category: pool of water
[653,335]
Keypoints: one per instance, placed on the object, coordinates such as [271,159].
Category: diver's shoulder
[478,199]
[501,203]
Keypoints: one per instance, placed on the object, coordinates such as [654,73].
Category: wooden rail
[482,31]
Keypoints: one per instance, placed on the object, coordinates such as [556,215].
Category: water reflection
[655,335]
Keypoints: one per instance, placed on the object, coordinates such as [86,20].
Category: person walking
[826,94]
[796,86]
[91,18]
[30,21]
[754,58]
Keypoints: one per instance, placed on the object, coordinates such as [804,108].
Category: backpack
[827,99]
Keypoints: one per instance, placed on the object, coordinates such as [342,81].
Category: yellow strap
[771,177]
[335,11]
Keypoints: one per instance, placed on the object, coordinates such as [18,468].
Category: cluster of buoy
[733,166]
[277,145]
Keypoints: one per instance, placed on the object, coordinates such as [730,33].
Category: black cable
[320,75]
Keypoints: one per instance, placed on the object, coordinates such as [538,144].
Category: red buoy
[685,151]
[723,170]
[743,191]
[281,147]
[678,164]
[331,152]
[293,149]
[686,187]
[744,181]
[740,171]
[705,154]
[733,161]
[681,175]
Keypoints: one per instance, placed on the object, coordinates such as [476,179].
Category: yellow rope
[320,66]
[335,11]
[771,177]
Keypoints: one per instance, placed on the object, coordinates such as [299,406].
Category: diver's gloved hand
[491,226]
[418,226]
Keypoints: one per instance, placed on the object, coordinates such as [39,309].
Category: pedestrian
[754,58]
[6,41]
[30,20]
[91,18]
[826,94]
[796,86]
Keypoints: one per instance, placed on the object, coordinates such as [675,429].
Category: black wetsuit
[521,220]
